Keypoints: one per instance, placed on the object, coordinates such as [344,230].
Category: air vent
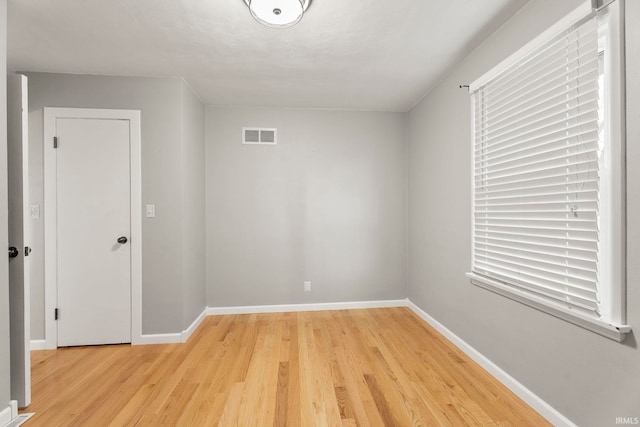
[259,136]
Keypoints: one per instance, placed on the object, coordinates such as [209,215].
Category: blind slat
[573,259]
[571,89]
[541,171]
[559,47]
[549,121]
[515,145]
[575,123]
[544,85]
[570,277]
[586,215]
[557,104]
[553,248]
[548,289]
[539,154]
[556,135]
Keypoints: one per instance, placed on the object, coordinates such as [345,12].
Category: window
[548,173]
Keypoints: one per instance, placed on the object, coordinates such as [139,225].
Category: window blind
[537,151]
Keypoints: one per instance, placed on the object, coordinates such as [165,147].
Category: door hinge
[55,142]
[56,314]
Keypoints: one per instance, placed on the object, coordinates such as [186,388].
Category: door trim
[50,214]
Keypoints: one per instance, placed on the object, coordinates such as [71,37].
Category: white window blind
[539,145]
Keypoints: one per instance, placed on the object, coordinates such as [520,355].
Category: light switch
[151,211]
[34,211]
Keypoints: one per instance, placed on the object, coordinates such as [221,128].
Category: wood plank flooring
[375,367]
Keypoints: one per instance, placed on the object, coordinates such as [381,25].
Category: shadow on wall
[630,340]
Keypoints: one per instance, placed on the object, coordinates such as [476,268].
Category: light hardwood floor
[378,367]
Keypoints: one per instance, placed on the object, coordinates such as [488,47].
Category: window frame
[614,324]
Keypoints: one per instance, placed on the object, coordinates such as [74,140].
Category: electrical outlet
[307,286]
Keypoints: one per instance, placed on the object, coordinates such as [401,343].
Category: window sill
[614,332]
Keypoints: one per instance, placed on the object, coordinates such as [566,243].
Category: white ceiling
[346,54]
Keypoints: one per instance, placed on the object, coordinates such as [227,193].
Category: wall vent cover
[260,136]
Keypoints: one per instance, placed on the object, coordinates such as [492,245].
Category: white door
[18,186]
[93,231]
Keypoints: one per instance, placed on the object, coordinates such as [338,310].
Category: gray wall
[5,383]
[193,207]
[589,378]
[327,205]
[161,101]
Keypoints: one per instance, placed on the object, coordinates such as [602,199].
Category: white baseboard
[173,338]
[184,336]
[159,339]
[5,416]
[9,412]
[286,308]
[533,400]
[38,345]
[143,340]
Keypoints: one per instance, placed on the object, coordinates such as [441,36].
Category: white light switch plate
[150,211]
[34,211]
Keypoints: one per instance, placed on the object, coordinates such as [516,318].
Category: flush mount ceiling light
[278,13]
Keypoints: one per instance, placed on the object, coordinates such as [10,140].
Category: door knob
[13,252]
[122,240]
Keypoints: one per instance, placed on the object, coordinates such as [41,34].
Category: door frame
[50,214]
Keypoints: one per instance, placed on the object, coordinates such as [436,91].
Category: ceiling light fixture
[278,13]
